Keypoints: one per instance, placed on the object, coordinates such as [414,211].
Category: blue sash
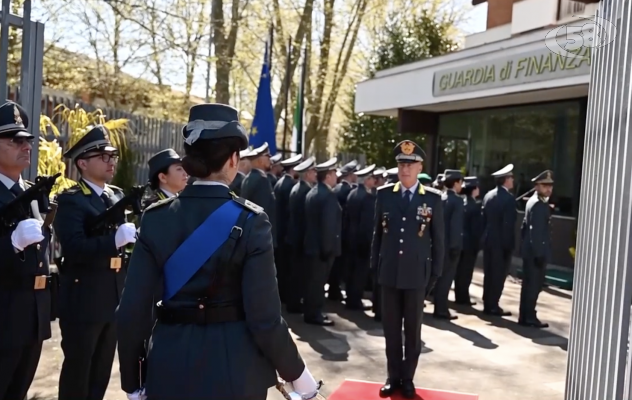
[198,248]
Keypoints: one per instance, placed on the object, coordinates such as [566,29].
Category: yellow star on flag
[253,131]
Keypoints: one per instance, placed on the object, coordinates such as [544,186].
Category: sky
[71,37]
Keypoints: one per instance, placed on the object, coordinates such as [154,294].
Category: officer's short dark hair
[322,175]
[468,190]
[449,183]
[154,181]
[208,156]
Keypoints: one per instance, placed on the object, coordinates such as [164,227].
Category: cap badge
[407,147]
[548,175]
[16,115]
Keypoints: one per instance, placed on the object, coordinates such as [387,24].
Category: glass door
[453,153]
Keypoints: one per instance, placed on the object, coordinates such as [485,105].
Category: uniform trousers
[88,357]
[358,275]
[377,295]
[298,271]
[262,396]
[337,275]
[534,275]
[406,305]
[496,263]
[318,270]
[444,283]
[464,273]
[17,369]
[282,257]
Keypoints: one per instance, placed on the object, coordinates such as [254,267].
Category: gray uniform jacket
[408,242]
[323,223]
[256,187]
[220,361]
[282,191]
[499,219]
[536,230]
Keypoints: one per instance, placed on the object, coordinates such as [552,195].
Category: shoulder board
[388,185]
[160,203]
[72,190]
[114,187]
[248,204]
[429,189]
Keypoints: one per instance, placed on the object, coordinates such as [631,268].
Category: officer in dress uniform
[378,174]
[166,176]
[535,248]
[472,232]
[340,267]
[360,211]
[499,219]
[244,169]
[390,175]
[282,253]
[220,334]
[296,234]
[323,229]
[92,274]
[438,182]
[256,186]
[25,298]
[275,169]
[407,251]
[453,210]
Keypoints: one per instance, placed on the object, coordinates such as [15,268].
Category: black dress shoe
[408,389]
[465,302]
[533,323]
[324,321]
[390,387]
[447,316]
[357,307]
[335,296]
[293,310]
[497,312]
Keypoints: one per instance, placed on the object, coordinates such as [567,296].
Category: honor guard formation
[228,234]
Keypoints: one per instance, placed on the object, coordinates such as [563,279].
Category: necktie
[106,200]
[406,198]
[16,189]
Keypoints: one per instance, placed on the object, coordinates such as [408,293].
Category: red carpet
[360,390]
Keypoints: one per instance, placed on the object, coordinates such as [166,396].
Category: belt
[200,316]
[40,282]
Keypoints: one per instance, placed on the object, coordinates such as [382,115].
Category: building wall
[499,12]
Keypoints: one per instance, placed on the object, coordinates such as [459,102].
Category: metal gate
[29,95]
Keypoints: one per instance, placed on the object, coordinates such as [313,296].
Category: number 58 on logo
[588,31]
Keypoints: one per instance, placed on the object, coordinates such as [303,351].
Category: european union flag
[263,128]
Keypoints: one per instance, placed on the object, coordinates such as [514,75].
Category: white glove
[305,385]
[27,232]
[137,395]
[125,234]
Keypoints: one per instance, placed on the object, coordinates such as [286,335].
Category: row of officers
[318,223]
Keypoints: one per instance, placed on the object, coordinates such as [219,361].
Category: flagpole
[299,144]
[270,47]
[288,79]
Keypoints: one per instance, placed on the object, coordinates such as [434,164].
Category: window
[533,138]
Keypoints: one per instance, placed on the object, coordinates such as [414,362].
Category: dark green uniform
[256,188]
[235,185]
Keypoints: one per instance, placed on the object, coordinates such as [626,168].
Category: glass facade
[532,137]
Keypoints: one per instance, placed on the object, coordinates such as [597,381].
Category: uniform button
[201,306]
[38,247]
[401,252]
[402,229]
[41,264]
[76,280]
[403,218]
[401,240]
[118,270]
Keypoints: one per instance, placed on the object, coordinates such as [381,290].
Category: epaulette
[248,204]
[433,190]
[72,190]
[160,203]
[386,186]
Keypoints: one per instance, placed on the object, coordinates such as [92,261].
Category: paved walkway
[495,358]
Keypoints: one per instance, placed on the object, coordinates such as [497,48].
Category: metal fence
[602,294]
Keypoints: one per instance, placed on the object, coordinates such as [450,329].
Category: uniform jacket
[360,211]
[273,179]
[472,225]
[296,227]
[282,191]
[342,191]
[402,258]
[323,223]
[221,361]
[453,214]
[499,219]
[256,188]
[24,312]
[156,196]
[235,185]
[89,289]
[536,230]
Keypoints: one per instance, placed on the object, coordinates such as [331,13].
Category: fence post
[602,293]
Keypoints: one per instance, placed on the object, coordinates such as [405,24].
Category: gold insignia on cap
[548,175]
[407,147]
[16,115]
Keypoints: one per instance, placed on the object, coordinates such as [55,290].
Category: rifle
[109,219]
[18,209]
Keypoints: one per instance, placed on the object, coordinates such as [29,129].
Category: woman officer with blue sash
[219,333]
